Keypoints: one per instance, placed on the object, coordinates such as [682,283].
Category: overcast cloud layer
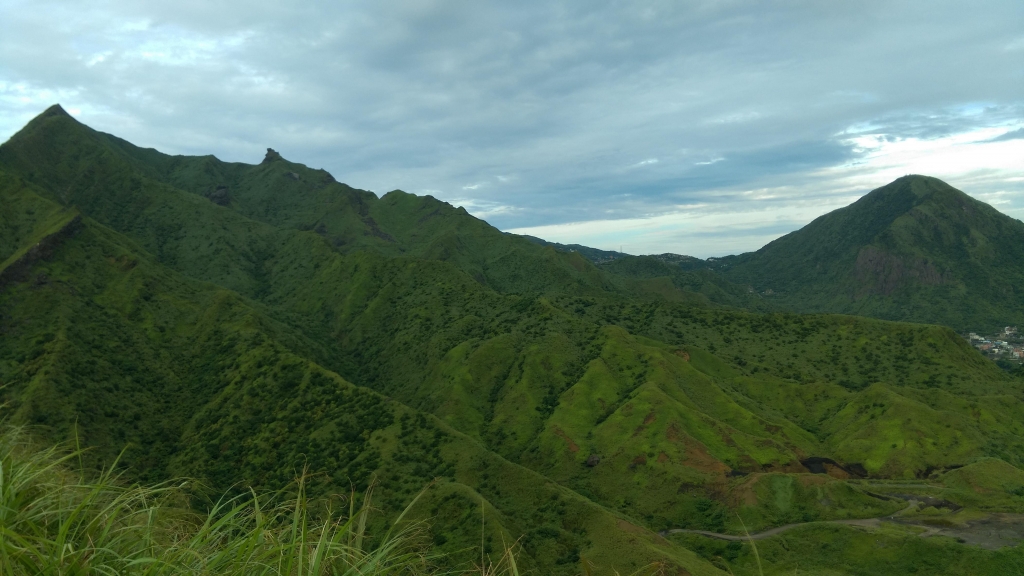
[701,127]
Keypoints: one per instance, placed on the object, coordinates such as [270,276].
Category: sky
[700,127]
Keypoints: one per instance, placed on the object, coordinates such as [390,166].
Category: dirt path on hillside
[991,532]
[863,522]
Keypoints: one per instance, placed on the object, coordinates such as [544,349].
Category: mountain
[118,183]
[688,274]
[595,255]
[209,344]
[915,250]
[239,323]
[665,275]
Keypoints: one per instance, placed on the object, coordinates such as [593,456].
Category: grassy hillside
[595,255]
[240,323]
[915,250]
[114,350]
[658,274]
[139,191]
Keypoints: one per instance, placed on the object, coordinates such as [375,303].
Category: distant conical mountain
[915,250]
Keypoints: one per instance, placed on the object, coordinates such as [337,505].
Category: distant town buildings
[1007,344]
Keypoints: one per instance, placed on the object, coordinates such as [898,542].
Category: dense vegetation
[58,520]
[915,250]
[239,323]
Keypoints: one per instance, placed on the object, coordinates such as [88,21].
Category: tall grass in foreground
[55,522]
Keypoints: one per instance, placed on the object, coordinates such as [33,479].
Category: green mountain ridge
[236,323]
[915,250]
[116,350]
[595,255]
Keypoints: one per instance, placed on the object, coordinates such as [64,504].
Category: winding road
[863,522]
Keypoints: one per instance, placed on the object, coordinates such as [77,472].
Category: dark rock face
[879,272]
[220,196]
[593,460]
[375,230]
[18,270]
[271,156]
[820,465]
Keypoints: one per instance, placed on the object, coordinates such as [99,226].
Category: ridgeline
[240,323]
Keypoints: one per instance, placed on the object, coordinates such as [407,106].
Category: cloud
[647,162]
[735,219]
[700,230]
[585,109]
[1011,135]
[482,208]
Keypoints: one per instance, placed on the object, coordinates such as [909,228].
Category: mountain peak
[271,156]
[879,208]
[914,240]
[914,187]
[54,117]
[55,110]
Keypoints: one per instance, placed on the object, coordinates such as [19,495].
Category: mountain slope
[595,255]
[914,250]
[104,175]
[221,332]
[105,346]
[686,274]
